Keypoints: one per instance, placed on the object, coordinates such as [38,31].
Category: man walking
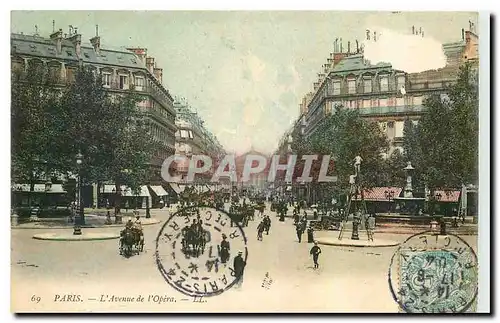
[298,228]
[239,267]
[260,229]
[315,251]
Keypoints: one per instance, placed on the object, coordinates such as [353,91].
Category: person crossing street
[315,251]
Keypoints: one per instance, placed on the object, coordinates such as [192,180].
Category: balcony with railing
[396,110]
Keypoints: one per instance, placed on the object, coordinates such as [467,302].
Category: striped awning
[158,190]
[447,196]
[379,194]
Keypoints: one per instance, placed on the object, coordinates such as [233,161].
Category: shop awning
[158,190]
[38,188]
[144,191]
[447,196]
[378,194]
[177,189]
[126,191]
[56,188]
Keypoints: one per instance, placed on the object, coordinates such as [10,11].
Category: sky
[245,72]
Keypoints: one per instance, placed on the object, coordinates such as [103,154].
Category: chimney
[357,47]
[96,41]
[76,39]
[341,45]
[367,34]
[150,64]
[158,72]
[374,36]
[463,34]
[140,52]
[413,30]
[348,47]
[58,37]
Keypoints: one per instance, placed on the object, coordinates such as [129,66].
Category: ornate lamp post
[409,173]
[389,195]
[79,219]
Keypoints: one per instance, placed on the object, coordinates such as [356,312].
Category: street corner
[69,236]
[333,240]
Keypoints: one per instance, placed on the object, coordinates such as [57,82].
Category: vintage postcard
[247,161]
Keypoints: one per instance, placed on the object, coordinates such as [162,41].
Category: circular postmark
[196,248]
[433,273]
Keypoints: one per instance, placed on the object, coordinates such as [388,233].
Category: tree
[32,123]
[108,129]
[448,134]
[344,135]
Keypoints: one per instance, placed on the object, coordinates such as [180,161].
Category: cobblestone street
[349,279]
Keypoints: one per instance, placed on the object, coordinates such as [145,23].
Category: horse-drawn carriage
[131,241]
[194,240]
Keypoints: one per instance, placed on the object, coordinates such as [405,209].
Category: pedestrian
[224,249]
[267,220]
[239,267]
[310,234]
[315,251]
[260,230]
[299,231]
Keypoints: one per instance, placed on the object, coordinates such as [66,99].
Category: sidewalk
[69,236]
[91,222]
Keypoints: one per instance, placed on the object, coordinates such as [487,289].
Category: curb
[340,244]
[74,238]
[104,226]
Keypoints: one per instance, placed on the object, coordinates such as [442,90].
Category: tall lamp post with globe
[80,218]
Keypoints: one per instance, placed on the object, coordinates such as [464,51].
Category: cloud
[409,53]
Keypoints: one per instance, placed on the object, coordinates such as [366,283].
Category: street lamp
[389,195]
[80,219]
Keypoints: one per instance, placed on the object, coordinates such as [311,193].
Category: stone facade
[122,70]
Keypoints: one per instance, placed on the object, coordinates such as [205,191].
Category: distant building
[375,90]
[193,138]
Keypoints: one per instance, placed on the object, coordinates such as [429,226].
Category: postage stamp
[432,273]
[194,250]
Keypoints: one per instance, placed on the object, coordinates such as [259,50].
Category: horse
[193,241]
[127,241]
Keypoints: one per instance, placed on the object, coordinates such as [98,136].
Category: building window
[367,85]
[351,86]
[398,129]
[367,103]
[191,134]
[382,102]
[184,134]
[139,83]
[384,84]
[400,81]
[336,88]
[106,79]
[123,82]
